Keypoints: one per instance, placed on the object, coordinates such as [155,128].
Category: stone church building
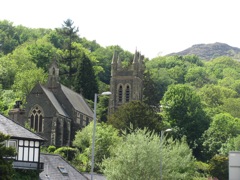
[54,111]
[126,83]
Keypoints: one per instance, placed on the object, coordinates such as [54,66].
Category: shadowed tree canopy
[137,113]
[182,110]
[85,80]
[6,170]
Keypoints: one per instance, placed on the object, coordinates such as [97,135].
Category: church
[54,111]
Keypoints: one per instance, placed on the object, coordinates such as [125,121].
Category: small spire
[119,62]
[135,59]
[114,59]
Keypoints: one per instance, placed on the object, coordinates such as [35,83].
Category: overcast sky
[154,27]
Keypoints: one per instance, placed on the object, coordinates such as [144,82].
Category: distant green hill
[211,51]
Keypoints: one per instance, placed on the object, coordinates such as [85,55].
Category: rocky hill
[210,51]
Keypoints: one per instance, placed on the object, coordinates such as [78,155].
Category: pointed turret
[114,64]
[119,63]
[135,63]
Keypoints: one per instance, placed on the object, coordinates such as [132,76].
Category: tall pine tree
[69,32]
[85,80]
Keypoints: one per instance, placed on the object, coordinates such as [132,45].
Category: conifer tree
[69,32]
[85,80]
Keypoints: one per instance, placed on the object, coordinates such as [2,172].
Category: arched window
[127,93]
[120,93]
[36,119]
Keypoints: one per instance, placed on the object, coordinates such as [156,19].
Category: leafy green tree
[67,152]
[26,80]
[222,128]
[218,167]
[137,113]
[102,110]
[214,95]
[183,111]
[85,80]
[6,169]
[197,76]
[150,91]
[42,52]
[106,138]
[138,156]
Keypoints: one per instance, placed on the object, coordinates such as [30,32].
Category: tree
[106,138]
[137,113]
[151,93]
[182,110]
[70,33]
[218,167]
[26,80]
[222,128]
[138,157]
[6,169]
[85,80]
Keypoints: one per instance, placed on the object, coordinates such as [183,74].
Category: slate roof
[77,101]
[15,130]
[54,101]
[51,171]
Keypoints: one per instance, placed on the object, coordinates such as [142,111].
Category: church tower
[126,83]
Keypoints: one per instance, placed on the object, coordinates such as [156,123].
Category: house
[55,167]
[27,145]
[54,111]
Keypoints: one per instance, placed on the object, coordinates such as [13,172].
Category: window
[127,93]
[120,93]
[36,119]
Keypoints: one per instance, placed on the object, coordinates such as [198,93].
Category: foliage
[151,92]
[137,113]
[138,157]
[66,152]
[24,174]
[6,169]
[106,138]
[222,127]
[69,32]
[85,81]
[102,108]
[218,167]
[26,80]
[182,110]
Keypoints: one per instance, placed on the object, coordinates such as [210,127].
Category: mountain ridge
[210,51]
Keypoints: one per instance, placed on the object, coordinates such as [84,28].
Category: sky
[153,27]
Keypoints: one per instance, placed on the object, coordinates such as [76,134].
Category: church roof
[77,101]
[54,101]
[15,130]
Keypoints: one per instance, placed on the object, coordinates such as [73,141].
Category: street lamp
[161,143]
[94,127]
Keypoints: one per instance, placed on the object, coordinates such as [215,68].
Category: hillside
[210,51]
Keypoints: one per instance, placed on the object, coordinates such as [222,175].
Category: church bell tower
[126,83]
